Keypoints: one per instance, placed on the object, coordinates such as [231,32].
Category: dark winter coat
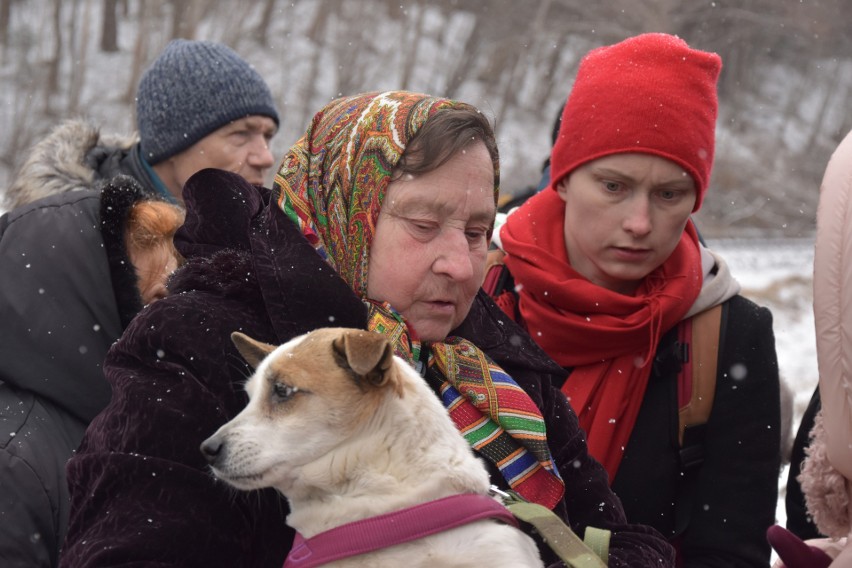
[141,491]
[58,317]
[737,484]
[715,509]
[799,521]
[76,156]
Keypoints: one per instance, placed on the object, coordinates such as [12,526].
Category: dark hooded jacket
[58,317]
[141,490]
[715,495]
[727,499]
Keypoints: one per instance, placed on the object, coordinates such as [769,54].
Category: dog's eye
[284,392]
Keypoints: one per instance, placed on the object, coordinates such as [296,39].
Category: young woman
[380,218]
[607,265]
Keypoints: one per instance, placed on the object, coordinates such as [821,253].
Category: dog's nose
[211,448]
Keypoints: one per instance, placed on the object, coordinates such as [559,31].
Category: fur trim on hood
[58,163]
[824,487]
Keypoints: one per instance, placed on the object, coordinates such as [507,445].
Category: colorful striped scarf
[332,184]
[494,414]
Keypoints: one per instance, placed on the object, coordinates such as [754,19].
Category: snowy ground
[778,274]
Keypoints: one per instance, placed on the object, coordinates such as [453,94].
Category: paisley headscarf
[332,184]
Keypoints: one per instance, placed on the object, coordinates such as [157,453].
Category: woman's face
[624,216]
[427,258]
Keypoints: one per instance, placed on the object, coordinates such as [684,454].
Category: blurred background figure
[75,268]
[199,105]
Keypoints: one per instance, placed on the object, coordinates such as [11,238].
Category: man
[199,105]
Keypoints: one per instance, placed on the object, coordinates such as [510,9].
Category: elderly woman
[383,209]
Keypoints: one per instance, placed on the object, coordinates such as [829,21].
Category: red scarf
[609,339]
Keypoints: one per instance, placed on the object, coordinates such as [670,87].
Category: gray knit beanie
[192,89]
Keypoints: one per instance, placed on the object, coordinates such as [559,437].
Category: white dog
[348,431]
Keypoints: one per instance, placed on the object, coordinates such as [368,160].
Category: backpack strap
[496,273]
[500,286]
[591,552]
[696,391]
[699,370]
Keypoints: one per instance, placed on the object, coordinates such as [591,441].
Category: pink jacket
[827,473]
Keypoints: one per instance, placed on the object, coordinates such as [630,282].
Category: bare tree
[52,86]
[109,27]
[5,19]
[516,53]
[236,29]
[262,29]
[787,70]
[185,17]
[78,63]
[353,49]
[140,51]
[316,34]
[415,24]
[458,73]
[20,127]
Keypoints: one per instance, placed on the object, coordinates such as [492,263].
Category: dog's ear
[252,350]
[369,355]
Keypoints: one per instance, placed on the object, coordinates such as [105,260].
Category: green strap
[598,540]
[594,553]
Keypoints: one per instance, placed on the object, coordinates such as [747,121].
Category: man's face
[427,258]
[241,147]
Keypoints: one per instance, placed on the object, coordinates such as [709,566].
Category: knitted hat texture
[650,94]
[192,89]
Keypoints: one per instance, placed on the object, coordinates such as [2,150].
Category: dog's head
[305,398]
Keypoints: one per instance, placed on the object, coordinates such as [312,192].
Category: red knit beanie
[651,94]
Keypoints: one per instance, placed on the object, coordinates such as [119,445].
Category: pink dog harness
[390,529]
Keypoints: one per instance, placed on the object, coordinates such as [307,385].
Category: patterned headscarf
[333,180]
[332,184]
